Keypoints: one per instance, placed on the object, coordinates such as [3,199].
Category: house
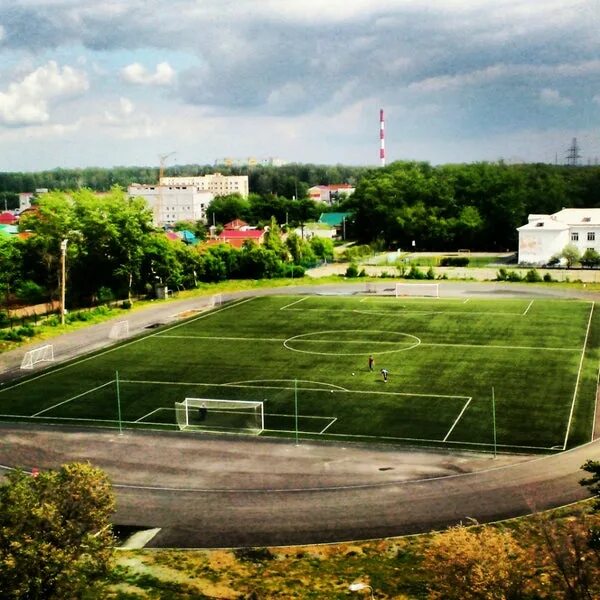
[330,193]
[237,237]
[7,218]
[546,235]
[238,225]
[321,230]
[336,220]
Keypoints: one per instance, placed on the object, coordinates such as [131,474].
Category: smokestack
[381,138]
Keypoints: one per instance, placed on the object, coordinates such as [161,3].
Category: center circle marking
[288,343]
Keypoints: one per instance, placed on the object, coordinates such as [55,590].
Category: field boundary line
[587,333]
[120,346]
[528,307]
[458,419]
[219,337]
[295,302]
[492,346]
[41,412]
[466,300]
[596,403]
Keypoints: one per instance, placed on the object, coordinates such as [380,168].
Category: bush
[532,276]
[30,292]
[352,270]
[513,276]
[26,331]
[4,320]
[363,273]
[454,261]
[430,273]
[415,273]
[10,335]
[548,278]
[501,275]
[52,321]
[126,304]
[253,554]
[105,294]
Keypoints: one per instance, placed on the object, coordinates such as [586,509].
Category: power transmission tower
[573,154]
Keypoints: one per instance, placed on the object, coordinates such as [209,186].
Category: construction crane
[159,199]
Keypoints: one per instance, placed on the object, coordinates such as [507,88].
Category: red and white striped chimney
[381,138]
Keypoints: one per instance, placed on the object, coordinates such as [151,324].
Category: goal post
[220,416]
[37,355]
[119,330]
[216,300]
[420,290]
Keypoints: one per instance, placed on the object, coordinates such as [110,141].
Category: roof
[235,224]
[235,234]
[334,219]
[563,219]
[8,229]
[7,218]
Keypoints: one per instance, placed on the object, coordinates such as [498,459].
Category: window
[591,236]
[575,237]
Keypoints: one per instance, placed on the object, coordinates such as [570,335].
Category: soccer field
[469,373]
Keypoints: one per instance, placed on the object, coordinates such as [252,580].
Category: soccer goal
[216,300]
[119,330]
[42,354]
[430,290]
[224,416]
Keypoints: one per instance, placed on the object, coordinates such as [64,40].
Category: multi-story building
[546,235]
[173,203]
[330,193]
[251,161]
[215,183]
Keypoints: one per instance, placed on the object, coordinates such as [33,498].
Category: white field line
[578,377]
[246,381]
[596,404]
[328,426]
[494,347]
[365,298]
[273,387]
[396,312]
[457,419]
[528,307]
[292,303]
[120,347]
[221,338]
[41,412]
[152,412]
[466,300]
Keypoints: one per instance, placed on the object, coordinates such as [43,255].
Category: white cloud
[124,110]
[2,33]
[552,97]
[27,101]
[596,99]
[138,74]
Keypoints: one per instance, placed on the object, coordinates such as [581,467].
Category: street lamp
[63,255]
[358,587]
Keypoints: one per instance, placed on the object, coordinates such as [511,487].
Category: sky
[121,82]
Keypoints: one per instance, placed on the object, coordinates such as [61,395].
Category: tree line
[114,251]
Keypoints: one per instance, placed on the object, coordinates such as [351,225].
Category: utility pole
[63,278]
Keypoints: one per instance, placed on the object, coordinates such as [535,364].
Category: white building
[330,193]
[217,184]
[546,235]
[171,204]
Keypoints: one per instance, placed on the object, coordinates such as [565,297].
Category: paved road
[208,492]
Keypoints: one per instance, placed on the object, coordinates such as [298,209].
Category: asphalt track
[208,492]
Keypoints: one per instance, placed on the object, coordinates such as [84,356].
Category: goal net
[42,354]
[224,416]
[418,289]
[119,330]
[216,300]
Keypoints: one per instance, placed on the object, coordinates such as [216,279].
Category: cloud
[28,101]
[552,97]
[124,110]
[138,74]
[596,99]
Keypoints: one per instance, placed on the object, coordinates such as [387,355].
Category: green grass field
[444,357]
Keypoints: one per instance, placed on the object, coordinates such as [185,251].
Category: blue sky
[119,82]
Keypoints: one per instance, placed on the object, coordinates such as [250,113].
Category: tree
[571,254]
[590,258]
[593,482]
[486,564]
[55,533]
[10,266]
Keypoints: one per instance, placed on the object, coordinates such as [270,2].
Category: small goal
[421,290]
[37,355]
[220,416]
[216,300]
[119,330]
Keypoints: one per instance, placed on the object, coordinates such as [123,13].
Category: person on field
[371,362]
[384,374]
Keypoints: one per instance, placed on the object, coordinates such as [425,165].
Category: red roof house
[237,237]
[236,224]
[7,218]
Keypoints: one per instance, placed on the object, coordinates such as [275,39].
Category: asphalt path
[206,492]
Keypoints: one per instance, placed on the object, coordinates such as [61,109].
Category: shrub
[548,278]
[532,276]
[415,273]
[253,554]
[105,294]
[26,331]
[352,270]
[513,276]
[126,304]
[454,261]
[4,320]
[501,275]
[363,273]
[10,335]
[430,273]
[52,321]
[30,292]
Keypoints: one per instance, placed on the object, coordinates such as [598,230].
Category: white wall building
[217,184]
[170,204]
[547,235]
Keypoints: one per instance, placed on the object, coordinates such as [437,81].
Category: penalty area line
[457,419]
[292,303]
[527,309]
[41,412]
